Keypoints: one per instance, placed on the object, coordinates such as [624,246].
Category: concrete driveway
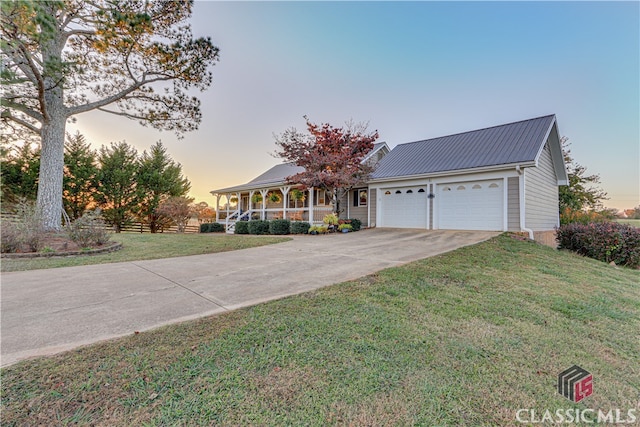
[48,311]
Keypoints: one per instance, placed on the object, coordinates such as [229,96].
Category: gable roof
[512,143]
[278,174]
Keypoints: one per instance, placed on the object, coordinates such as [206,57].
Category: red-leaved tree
[332,157]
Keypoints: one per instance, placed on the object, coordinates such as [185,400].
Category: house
[502,178]
[269,196]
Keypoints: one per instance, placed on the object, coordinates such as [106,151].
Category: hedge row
[213,227]
[282,226]
[607,241]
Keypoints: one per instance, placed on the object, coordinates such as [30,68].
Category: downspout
[522,203]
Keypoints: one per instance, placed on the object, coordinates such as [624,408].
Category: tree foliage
[133,58]
[80,172]
[158,178]
[332,157]
[116,188]
[20,165]
[583,193]
[178,210]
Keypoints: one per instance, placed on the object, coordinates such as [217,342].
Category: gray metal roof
[279,174]
[517,142]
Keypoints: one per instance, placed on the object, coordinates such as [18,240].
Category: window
[421,190]
[360,197]
[321,198]
[476,187]
[409,191]
[461,187]
[386,193]
[398,192]
[493,185]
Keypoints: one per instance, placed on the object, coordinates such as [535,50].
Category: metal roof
[279,174]
[517,142]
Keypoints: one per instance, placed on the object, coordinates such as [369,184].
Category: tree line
[125,185]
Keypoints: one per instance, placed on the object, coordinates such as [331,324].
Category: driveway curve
[48,311]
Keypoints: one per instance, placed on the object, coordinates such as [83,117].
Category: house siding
[541,194]
[373,208]
[513,204]
[359,212]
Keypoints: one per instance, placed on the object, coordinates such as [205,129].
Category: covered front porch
[269,203]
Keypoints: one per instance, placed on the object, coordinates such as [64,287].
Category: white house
[502,178]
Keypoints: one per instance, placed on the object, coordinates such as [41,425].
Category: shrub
[212,227]
[88,230]
[280,226]
[29,227]
[258,226]
[330,219]
[355,223]
[300,227]
[10,237]
[607,241]
[216,227]
[345,226]
[242,227]
[318,229]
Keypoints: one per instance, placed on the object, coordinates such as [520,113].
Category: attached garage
[404,207]
[471,205]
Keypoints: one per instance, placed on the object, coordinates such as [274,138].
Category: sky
[413,71]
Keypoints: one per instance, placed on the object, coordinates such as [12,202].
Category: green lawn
[634,222]
[462,339]
[139,246]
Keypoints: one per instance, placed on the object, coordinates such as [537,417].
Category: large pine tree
[133,58]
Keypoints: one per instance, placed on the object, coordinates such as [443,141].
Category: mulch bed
[55,245]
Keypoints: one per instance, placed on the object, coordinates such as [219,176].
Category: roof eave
[493,168]
[247,187]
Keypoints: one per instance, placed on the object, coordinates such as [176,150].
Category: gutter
[451,172]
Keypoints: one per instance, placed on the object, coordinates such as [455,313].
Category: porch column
[251,193]
[263,215]
[238,203]
[228,196]
[285,192]
[218,195]
[311,205]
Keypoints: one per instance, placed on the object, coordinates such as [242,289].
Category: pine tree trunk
[49,198]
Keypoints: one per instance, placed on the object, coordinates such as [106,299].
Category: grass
[462,339]
[139,246]
[634,222]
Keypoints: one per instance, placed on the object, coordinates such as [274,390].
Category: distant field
[634,222]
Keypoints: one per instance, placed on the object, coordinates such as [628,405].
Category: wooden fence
[138,227]
[135,227]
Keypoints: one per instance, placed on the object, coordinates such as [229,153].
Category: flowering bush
[606,241]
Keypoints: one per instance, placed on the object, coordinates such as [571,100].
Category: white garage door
[474,205]
[404,207]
